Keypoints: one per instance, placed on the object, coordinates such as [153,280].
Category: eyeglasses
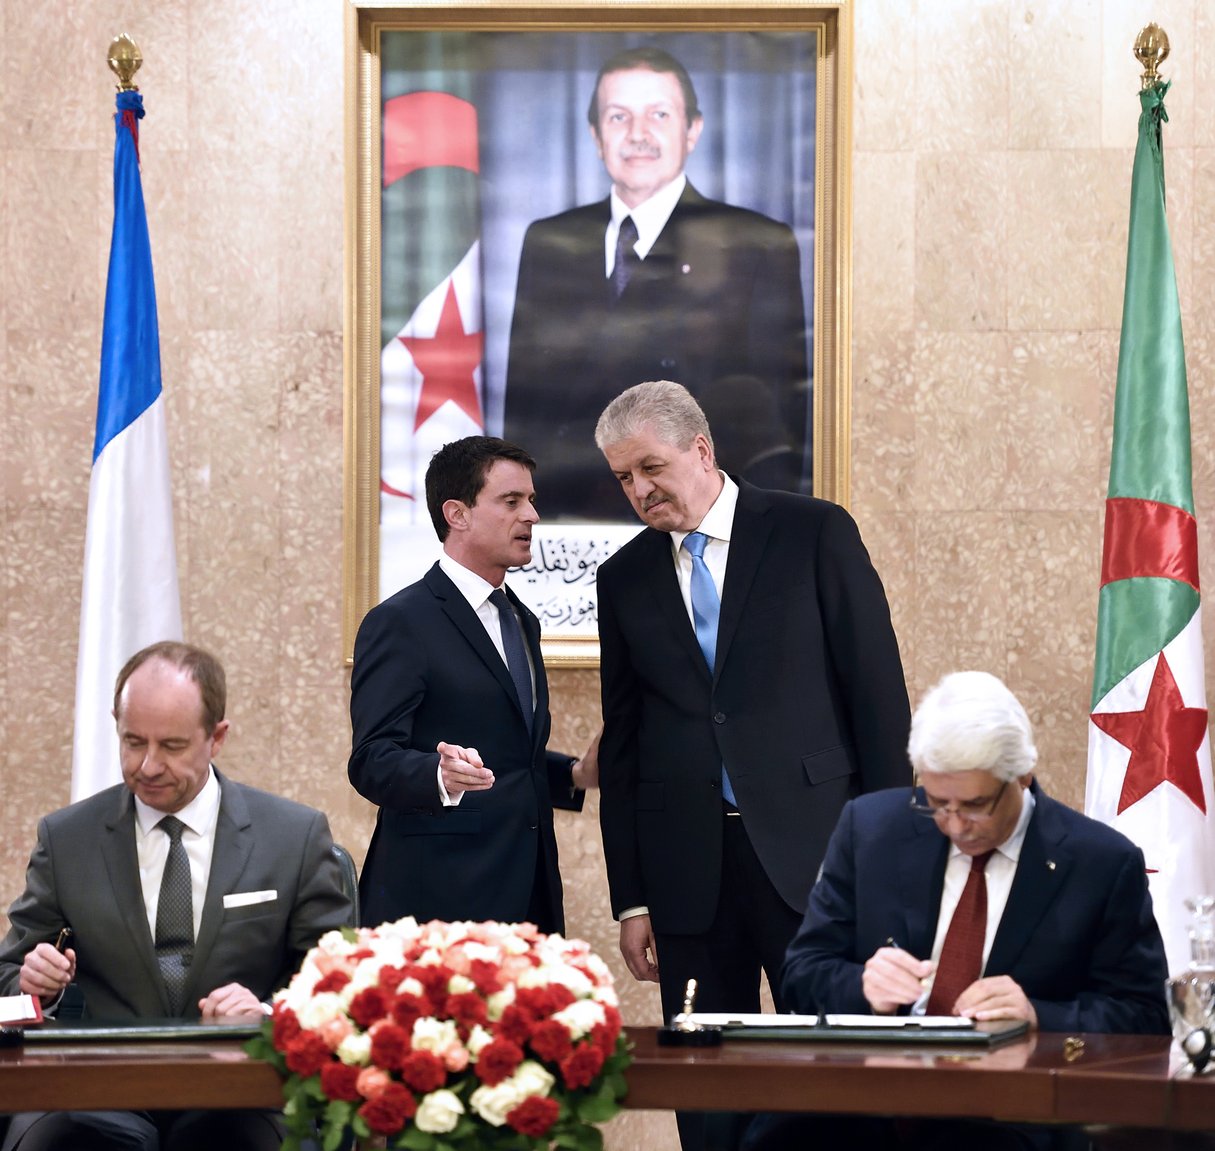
[970,810]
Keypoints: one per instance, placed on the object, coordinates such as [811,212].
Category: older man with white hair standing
[978,886]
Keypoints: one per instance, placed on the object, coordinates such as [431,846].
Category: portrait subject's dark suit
[84,873]
[426,671]
[716,306]
[1077,933]
[806,707]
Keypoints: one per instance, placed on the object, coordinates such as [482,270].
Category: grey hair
[660,406]
[971,722]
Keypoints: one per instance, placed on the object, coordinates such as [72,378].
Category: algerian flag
[432,337]
[1149,758]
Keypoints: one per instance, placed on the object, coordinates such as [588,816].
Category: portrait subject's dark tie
[175,916]
[961,959]
[627,260]
[516,652]
[706,611]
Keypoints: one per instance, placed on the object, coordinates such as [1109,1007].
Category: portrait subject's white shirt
[651,217]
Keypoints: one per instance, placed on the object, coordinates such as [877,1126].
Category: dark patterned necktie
[961,959]
[627,260]
[175,916]
[516,653]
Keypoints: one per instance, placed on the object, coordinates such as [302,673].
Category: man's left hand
[997,997]
[231,999]
[585,771]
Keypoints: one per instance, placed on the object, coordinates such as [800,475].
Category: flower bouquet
[448,1037]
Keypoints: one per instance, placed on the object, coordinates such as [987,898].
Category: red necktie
[962,954]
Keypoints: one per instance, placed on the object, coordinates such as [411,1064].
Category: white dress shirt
[650,217]
[200,817]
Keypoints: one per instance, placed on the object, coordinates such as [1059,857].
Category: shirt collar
[651,215]
[199,815]
[470,585]
[718,521]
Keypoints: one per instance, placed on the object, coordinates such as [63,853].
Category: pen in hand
[63,939]
[921,1004]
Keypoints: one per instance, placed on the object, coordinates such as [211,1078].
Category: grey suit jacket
[84,873]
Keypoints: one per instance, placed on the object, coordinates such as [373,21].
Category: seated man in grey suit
[187,894]
[972,894]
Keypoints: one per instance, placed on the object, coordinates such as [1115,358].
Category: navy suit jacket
[426,671]
[1077,934]
[84,873]
[716,306]
[806,706]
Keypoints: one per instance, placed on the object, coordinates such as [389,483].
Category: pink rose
[373,1082]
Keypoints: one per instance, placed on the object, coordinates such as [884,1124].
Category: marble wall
[993,143]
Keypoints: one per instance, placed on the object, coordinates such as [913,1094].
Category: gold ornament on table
[124,59]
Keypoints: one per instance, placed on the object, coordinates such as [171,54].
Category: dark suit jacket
[425,671]
[717,298]
[806,706]
[1077,934]
[84,873]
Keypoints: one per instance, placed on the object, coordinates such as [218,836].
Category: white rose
[438,1112]
[533,1078]
[437,1035]
[580,1017]
[319,1010]
[571,977]
[355,1049]
[499,1001]
[493,1103]
[411,986]
[477,1039]
[460,984]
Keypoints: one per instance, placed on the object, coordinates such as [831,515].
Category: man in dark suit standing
[187,894]
[1055,906]
[751,686]
[655,282]
[449,706]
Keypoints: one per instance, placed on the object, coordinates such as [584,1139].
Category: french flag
[130,596]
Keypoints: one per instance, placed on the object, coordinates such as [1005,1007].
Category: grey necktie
[175,916]
[627,260]
[516,653]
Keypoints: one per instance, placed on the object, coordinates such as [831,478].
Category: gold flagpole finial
[1151,50]
[124,59]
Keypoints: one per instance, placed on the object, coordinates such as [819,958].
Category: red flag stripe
[1147,538]
[428,130]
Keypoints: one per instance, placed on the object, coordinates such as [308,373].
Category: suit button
[719,717]
[533,827]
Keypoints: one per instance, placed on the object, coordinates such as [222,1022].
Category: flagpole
[124,59]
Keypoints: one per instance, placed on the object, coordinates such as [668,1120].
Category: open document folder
[901,1029]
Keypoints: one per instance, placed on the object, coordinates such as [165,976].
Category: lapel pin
[1050,863]
[685,269]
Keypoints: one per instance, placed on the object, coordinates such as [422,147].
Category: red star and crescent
[447,362]
[1163,740]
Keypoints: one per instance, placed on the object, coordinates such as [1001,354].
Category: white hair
[971,722]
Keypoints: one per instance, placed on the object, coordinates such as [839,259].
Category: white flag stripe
[130,594]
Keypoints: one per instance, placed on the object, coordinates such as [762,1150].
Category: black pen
[63,939]
[918,1007]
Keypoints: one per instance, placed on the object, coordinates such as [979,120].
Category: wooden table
[1116,1079]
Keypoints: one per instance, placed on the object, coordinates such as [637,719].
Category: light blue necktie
[516,653]
[706,611]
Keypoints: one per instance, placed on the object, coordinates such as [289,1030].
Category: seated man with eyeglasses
[973,893]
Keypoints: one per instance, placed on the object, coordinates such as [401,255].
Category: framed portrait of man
[549,205]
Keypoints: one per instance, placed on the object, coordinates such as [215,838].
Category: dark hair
[458,471]
[656,60]
[201,666]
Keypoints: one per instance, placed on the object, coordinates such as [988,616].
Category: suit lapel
[1042,872]
[122,867]
[230,853]
[921,860]
[656,566]
[748,538]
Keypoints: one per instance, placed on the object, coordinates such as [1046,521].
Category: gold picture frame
[367,24]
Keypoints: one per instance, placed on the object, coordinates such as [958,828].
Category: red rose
[497,1061]
[485,975]
[423,1071]
[339,1081]
[389,1046]
[467,1009]
[551,1041]
[534,1116]
[368,1006]
[391,977]
[515,1025]
[387,1113]
[307,1053]
[541,1002]
[407,1010]
[580,1069]
[286,1026]
[334,981]
[434,978]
